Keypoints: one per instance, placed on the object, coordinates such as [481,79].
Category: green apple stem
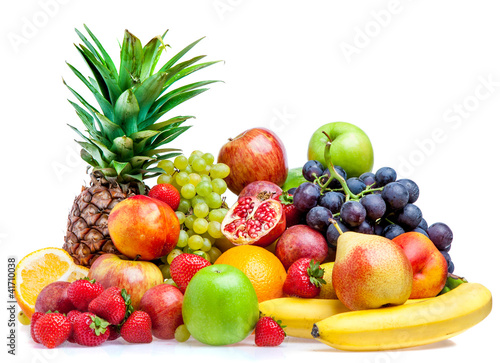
[333,173]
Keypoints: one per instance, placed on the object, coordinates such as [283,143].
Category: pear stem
[331,220]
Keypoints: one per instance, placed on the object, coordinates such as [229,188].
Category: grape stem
[331,220]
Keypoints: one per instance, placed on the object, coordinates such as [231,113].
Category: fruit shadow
[438,345]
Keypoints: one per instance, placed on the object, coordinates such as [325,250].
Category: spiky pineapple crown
[125,138]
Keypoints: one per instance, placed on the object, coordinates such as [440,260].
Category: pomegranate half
[254,220]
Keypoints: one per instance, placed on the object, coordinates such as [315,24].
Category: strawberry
[269,332]
[304,278]
[72,316]
[52,329]
[114,332]
[34,318]
[292,215]
[137,328]
[167,193]
[183,268]
[90,330]
[82,291]
[112,305]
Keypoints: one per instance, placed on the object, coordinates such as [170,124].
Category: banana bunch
[408,325]
[417,322]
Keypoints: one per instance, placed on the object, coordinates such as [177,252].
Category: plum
[54,297]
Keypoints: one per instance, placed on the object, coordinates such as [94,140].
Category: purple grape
[306,196]
[332,200]
[365,227]
[441,235]
[318,218]
[395,195]
[420,230]
[423,224]
[374,205]
[312,169]
[352,213]
[332,234]
[334,184]
[368,178]
[355,185]
[412,188]
[385,175]
[409,217]
[447,257]
[392,231]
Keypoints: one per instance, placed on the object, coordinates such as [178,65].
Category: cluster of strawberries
[102,314]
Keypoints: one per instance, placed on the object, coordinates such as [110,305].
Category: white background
[411,74]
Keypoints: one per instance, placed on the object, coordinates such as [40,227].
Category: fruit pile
[330,250]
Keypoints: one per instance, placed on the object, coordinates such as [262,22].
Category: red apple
[256,154]
[301,241]
[163,303]
[143,227]
[430,268]
[136,277]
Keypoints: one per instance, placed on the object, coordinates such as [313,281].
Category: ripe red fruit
[183,268]
[90,330]
[304,278]
[269,332]
[114,332]
[112,305]
[137,328]
[292,215]
[167,193]
[72,316]
[82,291]
[52,329]
[37,315]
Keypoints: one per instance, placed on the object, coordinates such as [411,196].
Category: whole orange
[263,268]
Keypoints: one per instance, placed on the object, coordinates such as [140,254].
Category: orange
[263,268]
[38,269]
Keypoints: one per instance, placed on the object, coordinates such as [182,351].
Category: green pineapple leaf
[179,55]
[127,112]
[151,55]
[161,126]
[108,62]
[130,61]
[148,91]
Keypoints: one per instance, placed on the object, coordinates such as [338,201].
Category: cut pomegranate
[255,220]
[255,188]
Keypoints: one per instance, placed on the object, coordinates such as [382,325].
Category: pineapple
[124,139]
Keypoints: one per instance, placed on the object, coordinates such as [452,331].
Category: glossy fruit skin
[351,148]
[184,267]
[220,306]
[137,328]
[163,303]
[37,315]
[298,282]
[430,269]
[255,154]
[134,276]
[143,226]
[54,297]
[301,241]
[85,335]
[81,292]
[259,186]
[167,193]
[110,305]
[268,332]
[293,179]
[52,329]
[72,316]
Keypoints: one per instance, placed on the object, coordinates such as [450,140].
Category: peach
[429,266]
[143,228]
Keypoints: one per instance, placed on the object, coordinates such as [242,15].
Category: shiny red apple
[136,277]
[255,154]
[163,303]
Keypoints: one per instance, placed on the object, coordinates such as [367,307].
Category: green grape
[167,165]
[180,216]
[181,333]
[209,158]
[207,245]
[165,179]
[165,271]
[194,178]
[184,205]
[214,200]
[219,186]
[175,185]
[204,188]
[214,254]
[173,254]
[197,154]
[201,210]
[181,162]
[170,282]
[206,178]
[214,229]
[219,170]
[189,221]
[189,169]
[199,164]
[190,232]
[188,191]
[183,239]
[200,225]
[202,254]
[23,318]
[216,215]
[187,249]
[163,259]
[195,242]
[206,171]
[182,178]
[197,199]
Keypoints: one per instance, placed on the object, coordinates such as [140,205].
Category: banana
[408,325]
[299,315]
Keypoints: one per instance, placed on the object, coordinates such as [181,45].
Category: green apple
[220,305]
[351,148]
[293,179]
